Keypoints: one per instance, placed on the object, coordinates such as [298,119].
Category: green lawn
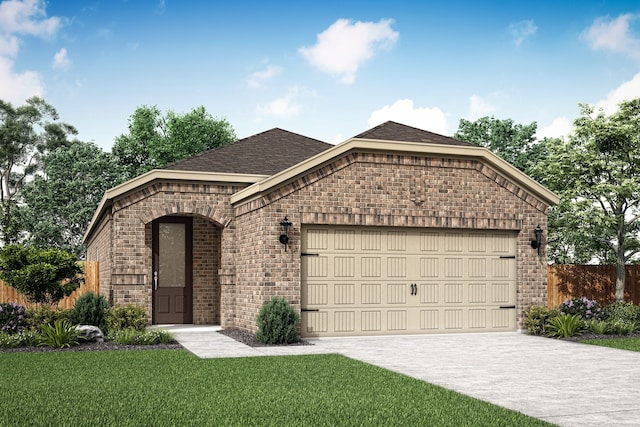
[173,387]
[632,344]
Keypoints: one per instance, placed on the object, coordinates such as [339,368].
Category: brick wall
[382,190]
[99,249]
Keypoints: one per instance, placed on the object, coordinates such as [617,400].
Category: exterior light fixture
[284,236]
[537,243]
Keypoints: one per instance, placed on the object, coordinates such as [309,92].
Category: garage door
[373,281]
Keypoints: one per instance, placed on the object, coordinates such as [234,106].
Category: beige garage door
[372,281]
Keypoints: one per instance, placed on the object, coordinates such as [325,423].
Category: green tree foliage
[59,204]
[26,134]
[41,275]
[597,174]
[155,140]
[515,143]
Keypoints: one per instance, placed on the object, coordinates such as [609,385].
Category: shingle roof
[392,131]
[266,153]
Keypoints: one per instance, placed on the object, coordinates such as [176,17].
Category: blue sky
[328,70]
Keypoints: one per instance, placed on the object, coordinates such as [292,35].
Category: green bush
[622,327]
[277,322]
[137,337]
[90,309]
[565,326]
[536,318]
[624,311]
[59,335]
[45,315]
[24,338]
[599,327]
[126,317]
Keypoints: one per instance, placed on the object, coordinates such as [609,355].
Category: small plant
[90,309]
[599,327]
[126,317]
[24,338]
[536,318]
[565,326]
[624,311]
[59,335]
[622,327]
[136,337]
[277,322]
[12,317]
[585,308]
[44,315]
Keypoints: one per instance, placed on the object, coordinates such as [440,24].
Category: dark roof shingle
[392,131]
[266,153]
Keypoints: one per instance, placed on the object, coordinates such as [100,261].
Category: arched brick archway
[186,208]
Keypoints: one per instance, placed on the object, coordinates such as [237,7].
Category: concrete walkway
[565,383]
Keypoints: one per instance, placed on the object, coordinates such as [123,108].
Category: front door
[172,270]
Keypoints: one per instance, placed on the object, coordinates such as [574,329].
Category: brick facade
[238,262]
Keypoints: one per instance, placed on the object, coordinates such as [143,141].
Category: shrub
[45,315]
[585,308]
[59,335]
[565,326]
[90,309]
[536,318]
[126,317]
[622,327]
[12,317]
[137,337]
[277,322]
[599,327]
[624,311]
[24,338]
[41,275]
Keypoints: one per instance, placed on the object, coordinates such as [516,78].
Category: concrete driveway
[561,382]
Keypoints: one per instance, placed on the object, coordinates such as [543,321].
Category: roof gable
[392,131]
[266,153]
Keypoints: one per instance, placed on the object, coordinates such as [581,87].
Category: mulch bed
[592,336]
[93,346]
[250,339]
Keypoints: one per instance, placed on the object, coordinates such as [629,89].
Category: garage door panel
[372,281]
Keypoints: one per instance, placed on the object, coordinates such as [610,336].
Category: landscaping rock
[90,333]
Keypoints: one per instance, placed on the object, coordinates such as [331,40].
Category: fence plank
[596,282]
[91,283]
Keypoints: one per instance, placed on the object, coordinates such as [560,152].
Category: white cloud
[559,128]
[16,87]
[613,35]
[22,18]
[626,91]
[257,78]
[403,111]
[345,46]
[522,30]
[61,60]
[479,107]
[284,107]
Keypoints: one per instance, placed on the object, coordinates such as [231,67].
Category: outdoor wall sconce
[284,236]
[535,244]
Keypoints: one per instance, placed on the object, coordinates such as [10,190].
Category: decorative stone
[90,333]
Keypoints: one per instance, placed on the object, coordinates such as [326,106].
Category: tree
[515,143]
[26,134]
[154,141]
[59,204]
[42,276]
[597,174]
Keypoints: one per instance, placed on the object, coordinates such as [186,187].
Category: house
[394,231]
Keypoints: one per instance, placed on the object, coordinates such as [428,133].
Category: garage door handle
[305,310]
[507,306]
[414,289]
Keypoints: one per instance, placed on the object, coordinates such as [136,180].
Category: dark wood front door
[172,270]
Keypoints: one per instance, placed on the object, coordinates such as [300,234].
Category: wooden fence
[91,283]
[596,282]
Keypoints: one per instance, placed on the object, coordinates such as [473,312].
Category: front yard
[173,387]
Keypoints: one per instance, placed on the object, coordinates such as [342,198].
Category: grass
[631,344]
[173,387]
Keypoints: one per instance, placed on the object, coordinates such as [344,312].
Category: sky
[327,70]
